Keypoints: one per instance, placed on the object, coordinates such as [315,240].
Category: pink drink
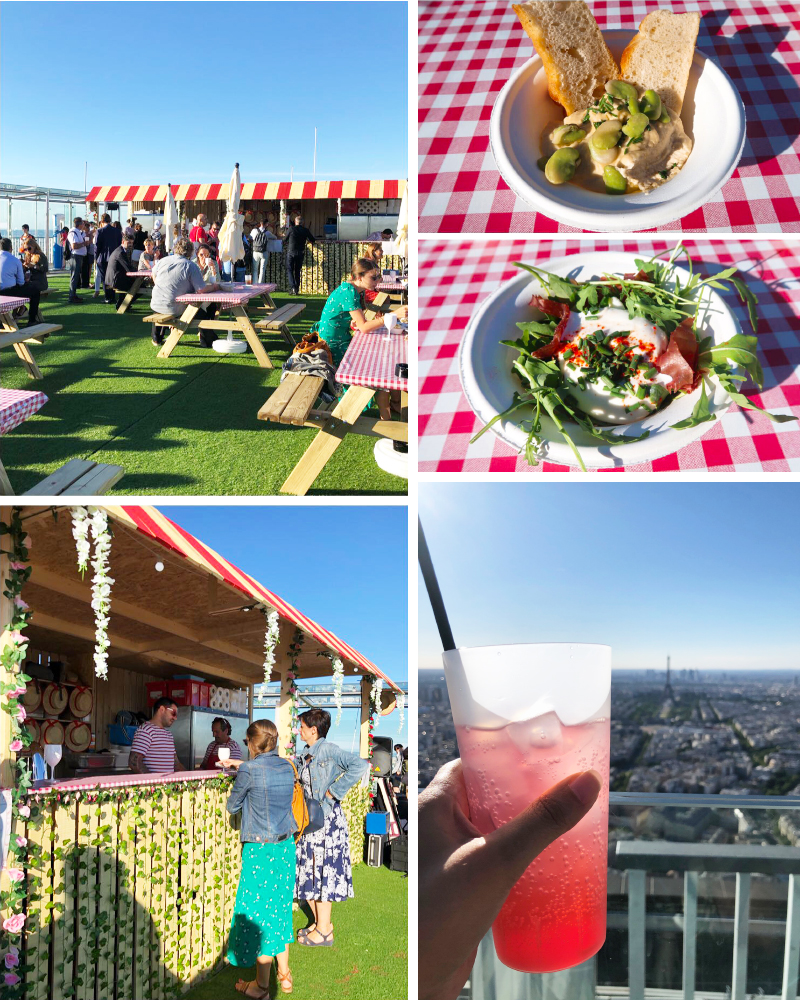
[528,716]
[555,916]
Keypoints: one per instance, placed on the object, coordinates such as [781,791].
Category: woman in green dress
[344,307]
[261,928]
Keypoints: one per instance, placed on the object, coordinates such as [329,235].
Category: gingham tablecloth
[16,405]
[7,303]
[456,277]
[467,51]
[139,274]
[391,286]
[370,361]
[230,295]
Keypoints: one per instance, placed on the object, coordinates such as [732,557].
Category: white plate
[489,385]
[713,116]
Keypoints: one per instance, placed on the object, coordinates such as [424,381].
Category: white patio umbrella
[231,248]
[170,218]
[401,239]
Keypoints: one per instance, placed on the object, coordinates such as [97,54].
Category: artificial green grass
[181,425]
[368,960]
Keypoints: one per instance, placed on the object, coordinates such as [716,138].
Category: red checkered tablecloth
[7,303]
[456,277]
[229,295]
[467,51]
[370,361]
[139,274]
[391,286]
[16,405]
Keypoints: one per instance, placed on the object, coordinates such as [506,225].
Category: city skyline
[705,573]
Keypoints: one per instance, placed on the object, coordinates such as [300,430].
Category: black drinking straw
[434,594]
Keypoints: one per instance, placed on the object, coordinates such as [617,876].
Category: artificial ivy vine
[295,649]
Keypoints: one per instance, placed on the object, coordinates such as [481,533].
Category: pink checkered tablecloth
[391,286]
[370,361]
[456,277]
[16,405]
[467,51]
[229,295]
[7,303]
[139,274]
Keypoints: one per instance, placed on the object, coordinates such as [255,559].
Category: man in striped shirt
[153,747]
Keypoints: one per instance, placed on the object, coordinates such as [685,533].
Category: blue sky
[256,98]
[709,574]
[345,567]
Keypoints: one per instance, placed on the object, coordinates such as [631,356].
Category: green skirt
[262,913]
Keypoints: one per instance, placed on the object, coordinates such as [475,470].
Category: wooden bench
[79,477]
[161,319]
[380,304]
[19,340]
[280,319]
[293,400]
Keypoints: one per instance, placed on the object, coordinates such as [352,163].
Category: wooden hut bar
[133,892]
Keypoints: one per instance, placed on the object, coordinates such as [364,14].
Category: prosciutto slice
[551,308]
[679,361]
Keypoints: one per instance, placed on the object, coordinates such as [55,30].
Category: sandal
[282,980]
[326,942]
[247,983]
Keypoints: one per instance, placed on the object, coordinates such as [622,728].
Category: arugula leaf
[727,381]
[588,296]
[700,413]
[542,329]
[556,286]
[609,436]
[748,299]
[741,350]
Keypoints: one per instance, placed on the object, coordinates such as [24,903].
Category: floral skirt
[262,912]
[323,861]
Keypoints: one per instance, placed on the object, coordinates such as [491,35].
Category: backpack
[67,249]
[307,812]
[261,239]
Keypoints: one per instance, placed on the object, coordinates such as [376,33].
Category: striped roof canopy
[154,524]
[272,191]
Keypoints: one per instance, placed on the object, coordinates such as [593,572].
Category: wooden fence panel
[38,926]
[157,892]
[126,870]
[106,919]
[64,895]
[172,864]
[142,948]
[86,902]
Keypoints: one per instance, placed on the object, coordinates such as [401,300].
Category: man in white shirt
[260,237]
[78,243]
[13,283]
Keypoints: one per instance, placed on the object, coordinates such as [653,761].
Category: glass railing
[703,902]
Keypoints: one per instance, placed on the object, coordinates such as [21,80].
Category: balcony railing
[636,860]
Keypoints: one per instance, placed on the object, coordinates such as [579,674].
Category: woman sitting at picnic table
[207,264]
[34,262]
[345,308]
[147,256]
[179,275]
[261,928]
[324,875]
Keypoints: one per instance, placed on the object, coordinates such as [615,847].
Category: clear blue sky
[709,574]
[231,82]
[345,567]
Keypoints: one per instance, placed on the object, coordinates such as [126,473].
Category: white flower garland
[95,520]
[338,681]
[375,693]
[401,704]
[271,638]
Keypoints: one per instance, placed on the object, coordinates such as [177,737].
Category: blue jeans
[75,265]
[259,267]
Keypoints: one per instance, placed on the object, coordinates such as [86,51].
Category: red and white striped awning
[153,523]
[271,191]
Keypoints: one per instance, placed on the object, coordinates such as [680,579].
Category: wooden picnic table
[235,296]
[22,339]
[135,289]
[16,405]
[395,287]
[369,364]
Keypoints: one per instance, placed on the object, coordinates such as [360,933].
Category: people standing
[324,875]
[212,240]
[297,236]
[86,263]
[260,237]
[261,928]
[198,233]
[108,239]
[12,280]
[221,731]
[139,236]
[119,264]
[78,245]
[153,747]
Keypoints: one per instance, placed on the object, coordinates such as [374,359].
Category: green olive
[665,119]
[561,166]
[565,135]
[635,125]
[607,134]
[614,181]
[604,156]
[651,104]
[622,91]
[541,163]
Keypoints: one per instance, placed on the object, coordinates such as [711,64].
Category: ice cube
[536,734]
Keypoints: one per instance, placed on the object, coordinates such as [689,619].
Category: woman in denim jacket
[262,914]
[323,858]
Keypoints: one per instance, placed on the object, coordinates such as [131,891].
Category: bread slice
[570,43]
[660,56]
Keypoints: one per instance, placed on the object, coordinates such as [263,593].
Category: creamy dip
[656,158]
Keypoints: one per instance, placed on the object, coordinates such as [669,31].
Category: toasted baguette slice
[570,43]
[660,56]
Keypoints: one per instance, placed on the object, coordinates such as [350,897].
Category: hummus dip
[645,163]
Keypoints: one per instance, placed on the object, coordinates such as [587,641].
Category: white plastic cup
[526,717]
[248,279]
